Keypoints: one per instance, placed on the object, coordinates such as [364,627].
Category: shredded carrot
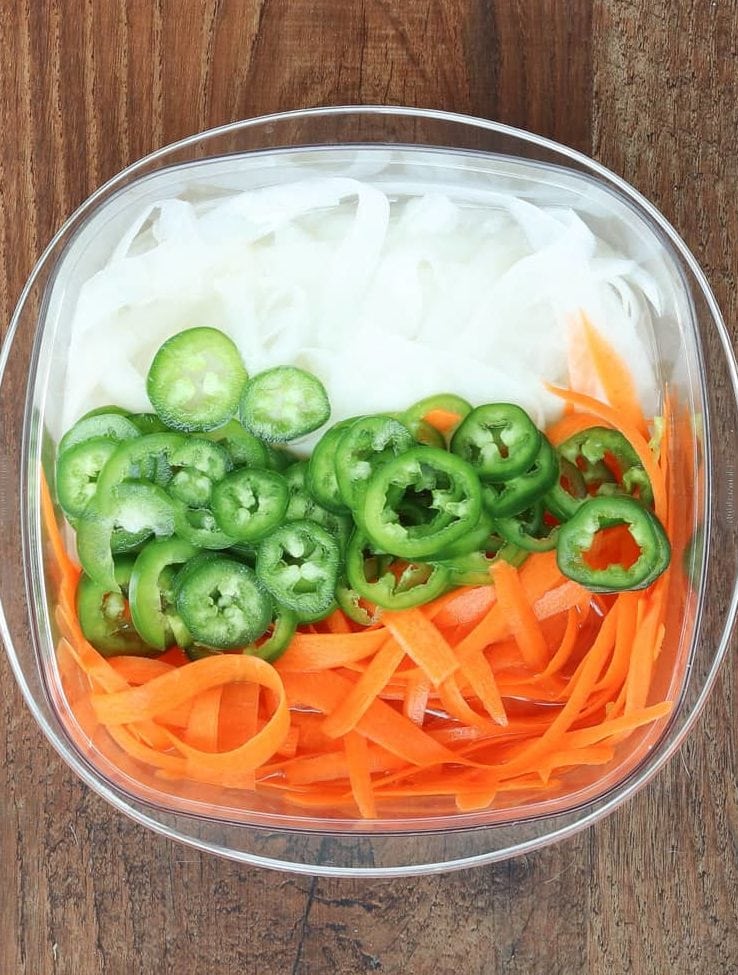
[415,701]
[422,642]
[520,616]
[359,775]
[571,424]
[350,711]
[615,378]
[442,420]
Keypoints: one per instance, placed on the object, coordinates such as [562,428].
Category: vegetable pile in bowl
[443,602]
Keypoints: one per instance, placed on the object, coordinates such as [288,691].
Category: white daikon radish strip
[353,262]
[386,293]
[124,245]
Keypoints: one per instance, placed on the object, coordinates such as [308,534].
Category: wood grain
[86,86]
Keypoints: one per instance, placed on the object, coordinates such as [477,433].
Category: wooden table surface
[650,89]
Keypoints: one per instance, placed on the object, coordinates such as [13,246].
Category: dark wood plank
[88,86]
[666,119]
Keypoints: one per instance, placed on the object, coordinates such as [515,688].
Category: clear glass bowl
[693,356]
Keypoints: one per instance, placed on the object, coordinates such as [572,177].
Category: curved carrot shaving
[415,701]
[139,670]
[359,775]
[522,620]
[614,377]
[461,606]
[381,723]
[324,651]
[481,678]
[202,727]
[422,642]
[355,705]
[456,705]
[571,424]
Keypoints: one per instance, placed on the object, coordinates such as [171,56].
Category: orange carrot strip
[238,715]
[612,727]
[323,651]
[381,723]
[575,757]
[181,685]
[422,642]
[202,728]
[359,774]
[461,606]
[358,701]
[631,433]
[48,517]
[138,670]
[582,685]
[456,705]
[566,647]
[137,749]
[476,669]
[337,622]
[571,424]
[638,681]
[615,377]
[617,670]
[415,701]
[519,613]
[442,420]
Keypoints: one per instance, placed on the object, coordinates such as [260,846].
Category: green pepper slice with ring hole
[321,477]
[134,507]
[151,592]
[444,485]
[358,609]
[499,440]
[577,535]
[111,426]
[223,604]
[104,615]
[365,446]
[302,505]
[77,473]
[527,530]
[608,465]
[298,563]
[502,500]
[384,582]
[249,503]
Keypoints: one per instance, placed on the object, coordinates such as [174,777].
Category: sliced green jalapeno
[366,445]
[577,535]
[385,582]
[249,503]
[223,604]
[442,484]
[284,403]
[499,440]
[104,615]
[152,592]
[510,497]
[298,563]
[195,380]
[77,473]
